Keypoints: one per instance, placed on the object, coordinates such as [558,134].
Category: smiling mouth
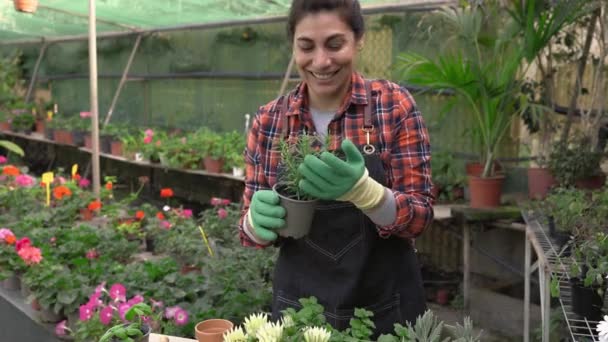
[323,76]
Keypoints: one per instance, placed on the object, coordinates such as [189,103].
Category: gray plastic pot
[298,214]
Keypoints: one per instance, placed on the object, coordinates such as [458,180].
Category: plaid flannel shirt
[400,136]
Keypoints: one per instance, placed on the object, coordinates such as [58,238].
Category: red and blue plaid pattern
[400,136]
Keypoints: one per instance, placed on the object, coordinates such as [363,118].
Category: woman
[359,252]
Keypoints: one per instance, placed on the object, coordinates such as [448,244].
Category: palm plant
[486,68]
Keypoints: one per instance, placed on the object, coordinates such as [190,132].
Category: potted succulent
[137,330]
[299,207]
[488,84]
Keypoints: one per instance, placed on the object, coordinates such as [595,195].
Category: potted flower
[299,207]
[137,330]
[577,164]
[112,137]
[213,148]
[153,145]
[488,84]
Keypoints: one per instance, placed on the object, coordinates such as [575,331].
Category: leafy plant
[571,163]
[292,155]
[130,331]
[590,260]
[23,122]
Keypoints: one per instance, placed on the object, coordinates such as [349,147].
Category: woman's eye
[306,48]
[334,45]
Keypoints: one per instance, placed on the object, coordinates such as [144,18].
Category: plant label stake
[47,179]
[74,170]
[200,228]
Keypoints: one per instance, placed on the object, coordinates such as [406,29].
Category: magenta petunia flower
[181,317]
[25,181]
[165,224]
[122,310]
[94,300]
[187,213]
[170,311]
[4,232]
[92,254]
[22,243]
[136,300]
[225,201]
[147,139]
[61,328]
[215,201]
[156,304]
[149,132]
[100,288]
[84,183]
[118,292]
[3,160]
[85,312]
[222,213]
[106,314]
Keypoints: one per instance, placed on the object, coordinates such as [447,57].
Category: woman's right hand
[266,214]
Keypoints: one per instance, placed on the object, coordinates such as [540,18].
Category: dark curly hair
[349,11]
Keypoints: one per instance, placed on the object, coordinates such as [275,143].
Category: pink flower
[3,160]
[25,181]
[156,304]
[61,328]
[222,213]
[225,201]
[149,132]
[170,311]
[215,201]
[84,115]
[147,139]
[53,240]
[118,292]
[92,254]
[61,180]
[4,232]
[165,224]
[31,255]
[106,314]
[99,289]
[135,300]
[94,301]
[85,312]
[84,183]
[21,243]
[122,310]
[181,317]
[187,213]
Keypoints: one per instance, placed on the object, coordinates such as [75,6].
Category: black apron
[345,264]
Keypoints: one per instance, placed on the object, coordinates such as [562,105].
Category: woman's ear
[361,43]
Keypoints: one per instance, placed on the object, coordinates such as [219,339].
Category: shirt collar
[356,95]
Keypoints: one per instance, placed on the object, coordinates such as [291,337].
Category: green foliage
[12,147]
[568,207]
[130,331]
[23,122]
[292,155]
[571,163]
[590,260]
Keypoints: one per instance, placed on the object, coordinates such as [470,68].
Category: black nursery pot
[586,302]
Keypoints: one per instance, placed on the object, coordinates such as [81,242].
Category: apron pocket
[336,229]
[386,314]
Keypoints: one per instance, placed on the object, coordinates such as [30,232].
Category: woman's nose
[321,59]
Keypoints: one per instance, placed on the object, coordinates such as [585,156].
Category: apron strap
[368,128]
[283,116]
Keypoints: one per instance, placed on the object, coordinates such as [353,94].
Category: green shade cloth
[60,18]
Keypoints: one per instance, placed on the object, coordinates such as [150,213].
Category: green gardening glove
[266,214]
[329,177]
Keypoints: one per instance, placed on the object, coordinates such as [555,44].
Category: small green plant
[571,163]
[130,332]
[292,155]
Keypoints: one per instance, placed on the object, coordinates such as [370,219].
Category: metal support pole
[466,272]
[123,79]
[94,99]
[546,316]
[30,87]
[527,270]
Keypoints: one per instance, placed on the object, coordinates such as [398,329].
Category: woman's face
[324,48]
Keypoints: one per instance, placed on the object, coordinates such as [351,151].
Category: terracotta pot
[212,330]
[35,305]
[116,147]
[88,141]
[5,126]
[213,165]
[28,6]
[591,183]
[40,126]
[63,137]
[298,214]
[485,192]
[86,214]
[476,169]
[442,296]
[540,181]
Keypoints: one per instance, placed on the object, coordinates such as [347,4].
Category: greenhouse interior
[156,158]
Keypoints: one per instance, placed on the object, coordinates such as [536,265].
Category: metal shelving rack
[551,264]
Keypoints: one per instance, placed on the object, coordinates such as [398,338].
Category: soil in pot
[298,214]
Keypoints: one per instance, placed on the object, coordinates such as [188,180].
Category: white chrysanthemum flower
[235,335]
[270,332]
[316,334]
[287,321]
[254,322]
[166,208]
[602,329]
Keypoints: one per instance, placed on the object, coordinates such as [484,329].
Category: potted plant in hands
[299,206]
[488,83]
[137,330]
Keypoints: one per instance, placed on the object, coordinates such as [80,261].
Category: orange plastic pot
[212,330]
